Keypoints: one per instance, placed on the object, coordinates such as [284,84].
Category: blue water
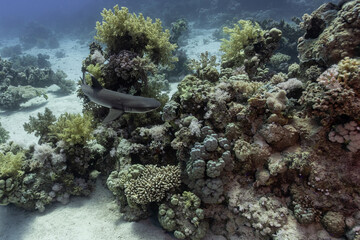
[80,15]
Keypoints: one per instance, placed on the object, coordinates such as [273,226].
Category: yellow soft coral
[73,128]
[95,70]
[10,164]
[243,34]
[121,30]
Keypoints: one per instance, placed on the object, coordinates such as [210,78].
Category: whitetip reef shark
[119,103]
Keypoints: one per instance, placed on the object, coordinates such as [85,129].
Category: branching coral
[121,30]
[205,68]
[73,128]
[40,125]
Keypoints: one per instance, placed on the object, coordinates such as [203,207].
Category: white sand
[95,217]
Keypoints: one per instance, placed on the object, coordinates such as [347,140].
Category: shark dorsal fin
[113,114]
[95,83]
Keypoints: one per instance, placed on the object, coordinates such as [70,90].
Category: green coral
[10,164]
[73,129]
[205,69]
[121,30]
[244,33]
[41,124]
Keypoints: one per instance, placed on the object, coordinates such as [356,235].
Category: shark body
[119,103]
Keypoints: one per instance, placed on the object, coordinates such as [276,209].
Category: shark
[118,103]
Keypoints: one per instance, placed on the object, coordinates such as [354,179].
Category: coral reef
[335,93]
[238,150]
[38,177]
[14,96]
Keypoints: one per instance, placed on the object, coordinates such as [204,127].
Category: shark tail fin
[113,114]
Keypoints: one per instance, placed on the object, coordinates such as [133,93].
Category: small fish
[117,102]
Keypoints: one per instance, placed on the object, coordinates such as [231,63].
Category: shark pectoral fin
[113,114]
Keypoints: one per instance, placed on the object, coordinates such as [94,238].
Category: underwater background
[218,119]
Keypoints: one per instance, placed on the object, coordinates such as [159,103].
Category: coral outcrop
[331,34]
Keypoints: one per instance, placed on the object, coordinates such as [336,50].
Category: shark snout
[151,104]
[154,103]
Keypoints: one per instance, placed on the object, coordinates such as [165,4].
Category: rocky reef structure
[331,34]
[233,152]
[26,77]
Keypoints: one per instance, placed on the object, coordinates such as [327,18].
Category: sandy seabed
[95,217]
